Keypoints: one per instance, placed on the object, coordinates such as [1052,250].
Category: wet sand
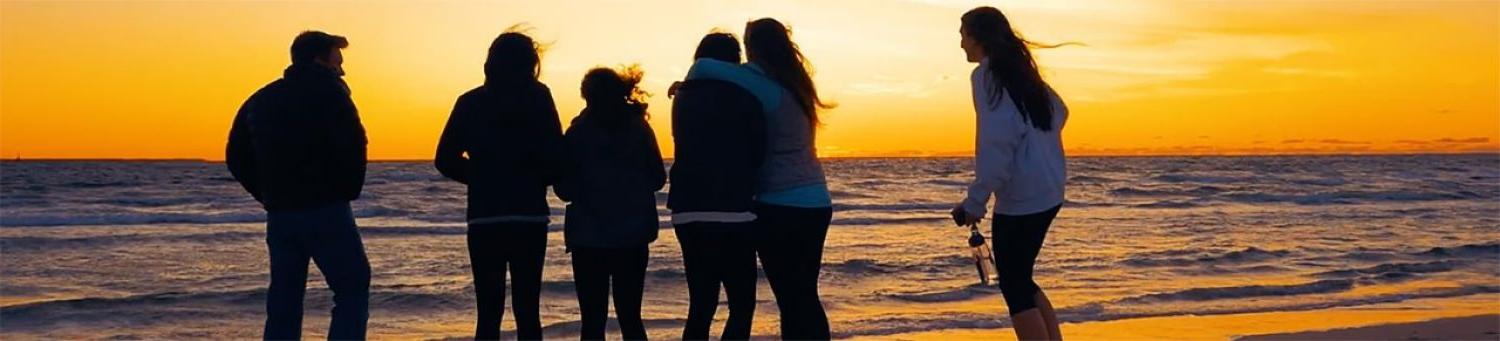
[1428,317]
[1482,327]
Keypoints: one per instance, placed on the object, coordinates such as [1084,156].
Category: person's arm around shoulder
[764,89]
[450,160]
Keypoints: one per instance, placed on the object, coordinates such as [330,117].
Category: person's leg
[1018,241]
[529,253]
[772,247]
[1049,316]
[628,278]
[811,231]
[288,277]
[737,271]
[340,254]
[1044,305]
[1016,285]
[488,266]
[791,252]
[702,279]
[591,282]
[1029,325]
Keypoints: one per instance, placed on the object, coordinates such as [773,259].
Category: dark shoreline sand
[1276,325]
[1481,327]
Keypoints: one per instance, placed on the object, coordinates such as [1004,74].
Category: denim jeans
[329,237]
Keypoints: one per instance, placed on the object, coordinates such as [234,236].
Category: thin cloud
[1338,141]
[1467,140]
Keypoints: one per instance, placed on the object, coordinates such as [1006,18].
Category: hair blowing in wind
[1011,66]
[768,43]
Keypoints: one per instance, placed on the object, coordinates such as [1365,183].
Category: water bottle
[984,259]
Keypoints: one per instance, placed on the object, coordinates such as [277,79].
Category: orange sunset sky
[147,79]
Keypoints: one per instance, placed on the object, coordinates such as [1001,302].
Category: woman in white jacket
[1018,160]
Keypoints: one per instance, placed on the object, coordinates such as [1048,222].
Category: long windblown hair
[1012,69]
[769,45]
[614,96]
[514,58]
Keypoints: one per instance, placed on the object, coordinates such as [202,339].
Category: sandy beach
[1482,327]
[1437,319]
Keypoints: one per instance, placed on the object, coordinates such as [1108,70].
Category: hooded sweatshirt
[791,174]
[610,179]
[513,141]
[719,133]
[1022,167]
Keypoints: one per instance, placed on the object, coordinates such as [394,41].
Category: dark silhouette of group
[746,182]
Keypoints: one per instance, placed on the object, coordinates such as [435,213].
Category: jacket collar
[299,70]
[315,71]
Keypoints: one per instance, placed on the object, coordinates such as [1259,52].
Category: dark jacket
[298,143]
[610,180]
[719,133]
[513,140]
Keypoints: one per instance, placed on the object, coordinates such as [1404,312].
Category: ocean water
[176,249]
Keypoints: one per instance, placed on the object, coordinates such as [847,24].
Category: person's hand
[672,90]
[962,217]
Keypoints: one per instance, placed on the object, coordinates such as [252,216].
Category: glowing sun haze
[163,79]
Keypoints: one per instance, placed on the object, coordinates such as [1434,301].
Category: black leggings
[595,271]
[521,246]
[714,253]
[790,244]
[1018,240]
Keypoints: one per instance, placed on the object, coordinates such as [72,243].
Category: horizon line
[872,156]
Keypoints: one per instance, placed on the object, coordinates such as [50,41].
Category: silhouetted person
[719,133]
[509,130]
[1018,159]
[613,171]
[792,205]
[298,147]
